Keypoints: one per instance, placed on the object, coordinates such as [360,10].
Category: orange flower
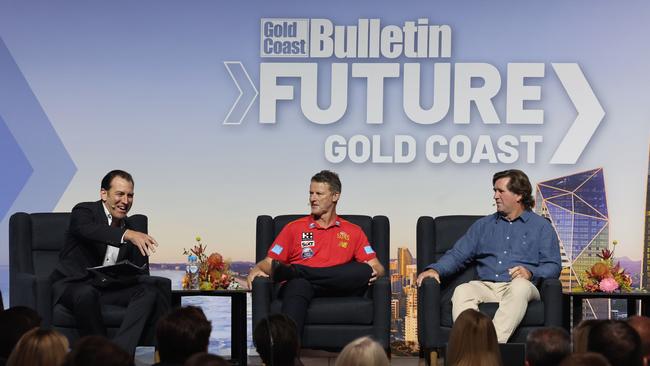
[600,270]
[215,261]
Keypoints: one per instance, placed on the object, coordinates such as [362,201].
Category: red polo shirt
[305,242]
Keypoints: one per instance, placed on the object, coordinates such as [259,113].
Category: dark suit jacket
[86,241]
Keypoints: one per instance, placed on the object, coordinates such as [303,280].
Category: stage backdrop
[222,110]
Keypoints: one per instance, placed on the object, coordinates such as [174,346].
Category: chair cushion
[48,230]
[335,310]
[534,314]
[44,262]
[112,315]
[448,229]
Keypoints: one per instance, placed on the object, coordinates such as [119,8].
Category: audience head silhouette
[276,340]
[97,351]
[581,334]
[642,326]
[182,333]
[206,359]
[547,346]
[15,321]
[473,341]
[617,341]
[362,352]
[585,359]
[39,347]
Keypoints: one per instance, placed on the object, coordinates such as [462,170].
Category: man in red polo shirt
[320,254]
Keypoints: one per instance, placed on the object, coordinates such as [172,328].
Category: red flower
[605,254]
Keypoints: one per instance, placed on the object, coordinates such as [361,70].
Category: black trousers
[350,279]
[144,305]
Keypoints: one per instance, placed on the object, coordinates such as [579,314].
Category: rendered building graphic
[645,270]
[577,206]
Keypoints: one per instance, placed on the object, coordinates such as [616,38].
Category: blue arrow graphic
[16,167]
[247,93]
[30,129]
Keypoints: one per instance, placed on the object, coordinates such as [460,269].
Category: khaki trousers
[513,298]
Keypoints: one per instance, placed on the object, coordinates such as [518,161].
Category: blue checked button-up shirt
[497,244]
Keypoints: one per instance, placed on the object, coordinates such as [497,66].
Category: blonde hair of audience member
[581,334]
[473,341]
[39,347]
[362,352]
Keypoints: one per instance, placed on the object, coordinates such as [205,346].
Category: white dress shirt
[111,252]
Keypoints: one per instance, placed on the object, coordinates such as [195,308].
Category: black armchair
[34,244]
[434,238]
[332,322]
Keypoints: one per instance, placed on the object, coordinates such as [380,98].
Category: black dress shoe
[281,272]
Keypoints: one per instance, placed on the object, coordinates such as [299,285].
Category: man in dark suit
[101,234]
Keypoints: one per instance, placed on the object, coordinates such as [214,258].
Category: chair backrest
[376,229]
[436,236]
[35,241]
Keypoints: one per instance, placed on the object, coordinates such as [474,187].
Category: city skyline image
[645,269]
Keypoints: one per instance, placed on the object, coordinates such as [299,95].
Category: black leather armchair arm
[381,311]
[429,300]
[262,297]
[35,293]
[44,300]
[26,282]
[551,294]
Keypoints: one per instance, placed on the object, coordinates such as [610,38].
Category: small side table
[574,299]
[237,318]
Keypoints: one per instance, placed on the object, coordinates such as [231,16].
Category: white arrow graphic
[249,93]
[590,113]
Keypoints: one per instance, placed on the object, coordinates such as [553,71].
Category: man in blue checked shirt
[514,248]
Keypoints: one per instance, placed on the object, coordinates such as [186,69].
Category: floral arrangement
[604,276]
[214,271]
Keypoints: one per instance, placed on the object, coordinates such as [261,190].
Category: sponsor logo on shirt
[368,249]
[277,249]
[342,235]
[307,253]
[307,240]
[343,244]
